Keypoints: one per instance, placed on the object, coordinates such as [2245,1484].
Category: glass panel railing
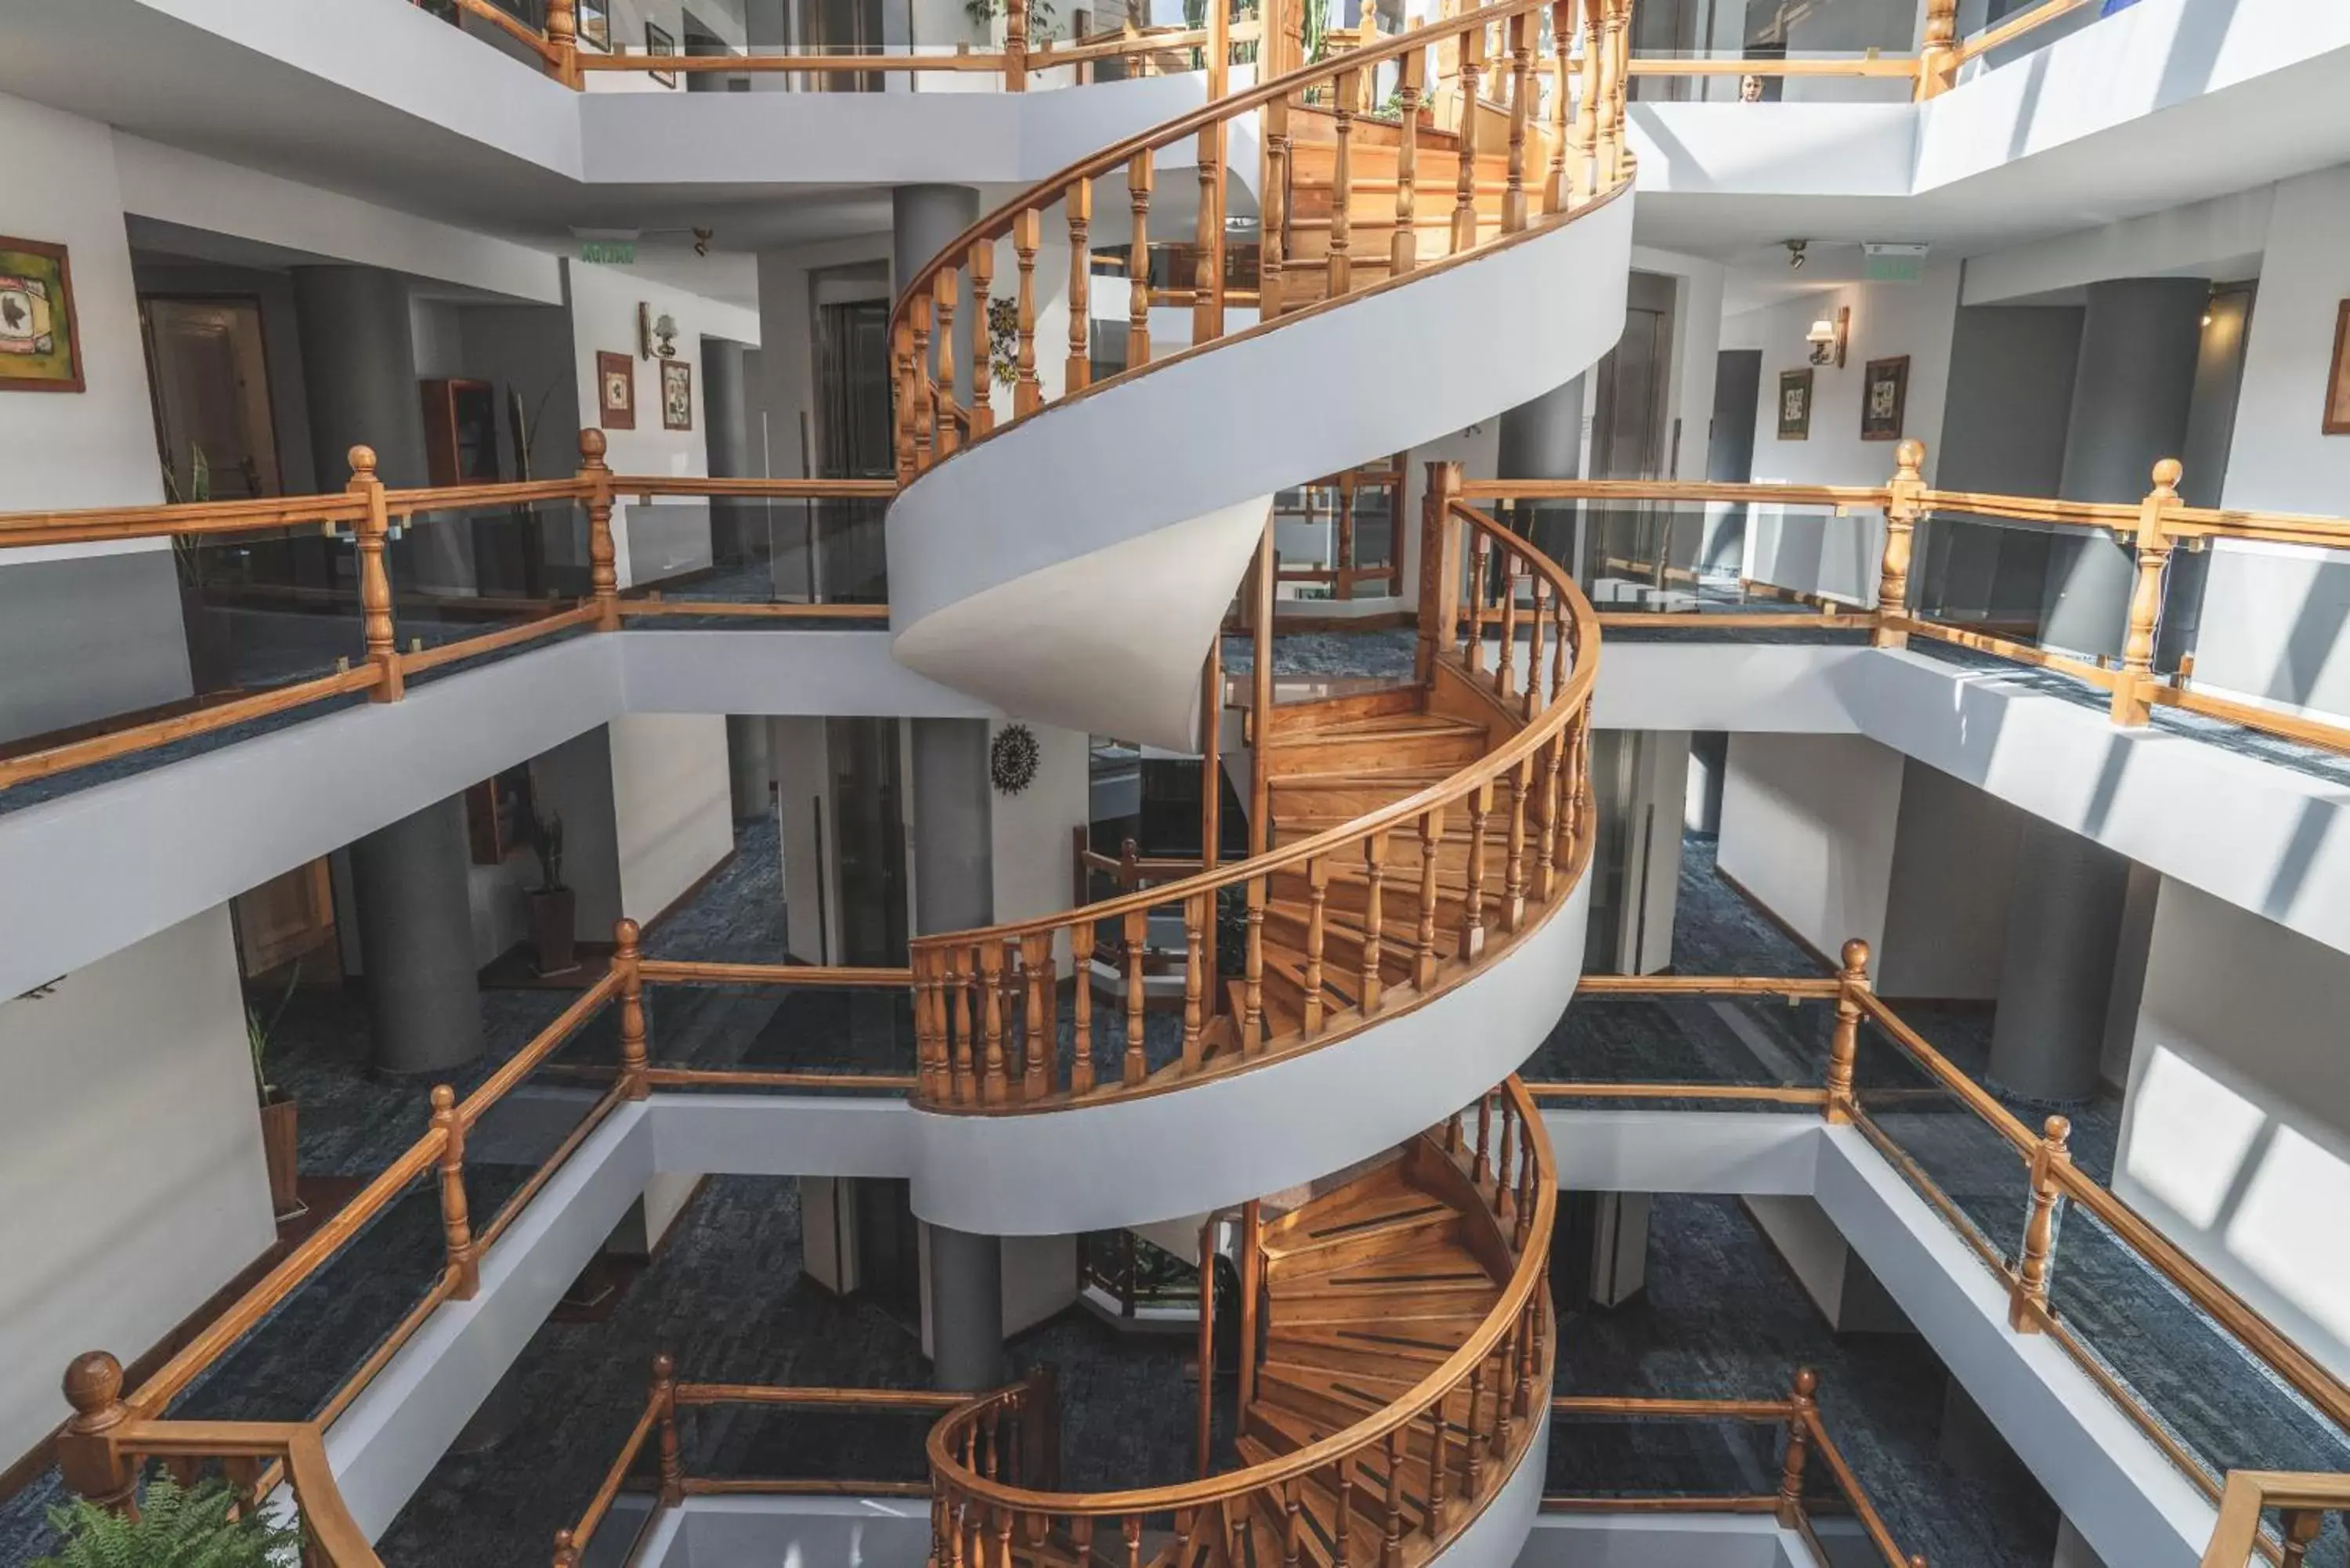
[760,551]
[792,1032]
[1969,1170]
[1691,1048]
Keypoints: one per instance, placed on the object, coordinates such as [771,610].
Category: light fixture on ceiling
[702,238]
[1796,252]
[1829,336]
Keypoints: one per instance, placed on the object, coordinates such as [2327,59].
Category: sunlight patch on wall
[2189,1135]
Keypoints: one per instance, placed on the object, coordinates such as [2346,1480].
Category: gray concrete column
[749,765]
[2056,971]
[955,859]
[966,1310]
[922,220]
[416,941]
[1543,439]
[2131,394]
[359,372]
[735,535]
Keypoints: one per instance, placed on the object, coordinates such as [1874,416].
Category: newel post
[1901,509]
[1439,569]
[86,1457]
[2028,1301]
[370,537]
[456,1222]
[1851,984]
[603,559]
[1938,57]
[2132,706]
[1799,1450]
[563,42]
[664,1395]
[1016,45]
[627,967]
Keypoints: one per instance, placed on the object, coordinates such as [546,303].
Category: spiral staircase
[1414,923]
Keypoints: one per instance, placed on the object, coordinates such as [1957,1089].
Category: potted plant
[554,907]
[199,1526]
[211,659]
[278,1108]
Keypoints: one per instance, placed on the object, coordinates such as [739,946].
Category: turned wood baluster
[370,537]
[1571,794]
[1391,1522]
[1474,1484]
[2028,1301]
[1375,870]
[1253,972]
[456,1223]
[1529,1336]
[1273,206]
[1558,647]
[1546,846]
[1586,168]
[1080,371]
[2297,1528]
[1424,957]
[1439,1469]
[1464,205]
[1137,264]
[1004,1535]
[1208,238]
[943,288]
[966,1069]
[901,361]
[1480,566]
[1194,981]
[1137,928]
[1481,1169]
[1526,1206]
[1342,1489]
[1504,1404]
[1293,1522]
[1513,876]
[983,338]
[1043,1009]
[1505,1163]
[1799,1450]
[1027,397]
[1404,251]
[924,448]
[1081,967]
[1521,93]
[1133,1541]
[1562,37]
[1081,1537]
[1506,659]
[1473,914]
[1317,893]
[1538,622]
[1342,185]
[927,1036]
[995,1085]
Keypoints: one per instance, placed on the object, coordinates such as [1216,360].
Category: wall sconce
[656,337]
[1828,337]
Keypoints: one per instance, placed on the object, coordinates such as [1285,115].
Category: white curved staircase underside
[1072,567]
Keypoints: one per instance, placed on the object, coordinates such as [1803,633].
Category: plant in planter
[1040,17]
[554,907]
[279,1146]
[201,1526]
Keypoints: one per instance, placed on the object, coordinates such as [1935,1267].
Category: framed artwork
[677,395]
[616,391]
[2337,380]
[40,343]
[1884,394]
[499,813]
[595,24]
[659,42]
[1796,404]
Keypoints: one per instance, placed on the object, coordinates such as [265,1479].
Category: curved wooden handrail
[1521,1296]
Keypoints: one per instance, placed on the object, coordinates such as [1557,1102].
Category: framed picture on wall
[1796,404]
[595,24]
[40,342]
[2337,380]
[677,395]
[657,41]
[616,391]
[1884,394]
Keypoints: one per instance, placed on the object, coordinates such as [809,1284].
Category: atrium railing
[654,1472]
[1562,154]
[1334,502]
[2301,1502]
[2155,531]
[323,587]
[1800,1501]
[1933,71]
[1482,1403]
[2008,1190]
[986,1003]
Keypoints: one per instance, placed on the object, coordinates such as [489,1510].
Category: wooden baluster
[1137,1068]
[928,1050]
[1546,846]
[1799,1450]
[901,380]
[1556,189]
[567,1550]
[1537,622]
[627,966]
[1292,1522]
[1273,206]
[1341,1487]
[1473,914]
[2132,706]
[1521,83]
[1424,956]
[1464,205]
[956,1014]
[925,452]
[1079,200]
[1404,251]
[1938,55]
[1194,977]
[1208,238]
[1481,1170]
[1081,1537]
[982,338]
[1513,876]
[1901,510]
[949,432]
[370,537]
[1529,1339]
[1003,1515]
[1138,266]
[2028,1300]
[456,1224]
[1473,1485]
[1504,1409]
[1506,1163]
[1571,793]
[1016,45]
[671,1461]
[1440,1468]
[1392,1519]
[1375,870]
[1253,972]
[1133,1541]
[995,1085]
[1081,967]
[1342,185]
[1317,893]
[1481,570]
[1344,587]
[1452,1133]
[1027,396]
[1844,1043]
[1618,37]
[2297,1527]
[1558,646]
[1591,171]
[1043,1014]
[1506,659]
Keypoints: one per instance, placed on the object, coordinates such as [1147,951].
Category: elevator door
[1637,540]
[854,442]
[868,841]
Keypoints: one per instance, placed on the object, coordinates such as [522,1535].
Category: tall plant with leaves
[200,1526]
[258,1031]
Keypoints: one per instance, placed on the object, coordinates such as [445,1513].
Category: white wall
[1808,828]
[1029,832]
[670,801]
[130,1153]
[2236,1129]
[577,782]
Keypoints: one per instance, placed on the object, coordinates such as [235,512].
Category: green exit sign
[1893,264]
[608,253]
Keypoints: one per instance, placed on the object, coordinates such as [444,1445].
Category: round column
[966,1310]
[2056,975]
[416,941]
[922,220]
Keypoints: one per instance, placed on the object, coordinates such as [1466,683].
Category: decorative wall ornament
[1004,340]
[1796,404]
[677,395]
[1013,758]
[1884,394]
[40,343]
[655,335]
[616,391]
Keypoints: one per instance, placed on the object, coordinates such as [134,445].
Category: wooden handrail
[2303,1498]
[673,971]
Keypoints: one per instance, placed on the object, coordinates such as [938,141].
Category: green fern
[177,1527]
